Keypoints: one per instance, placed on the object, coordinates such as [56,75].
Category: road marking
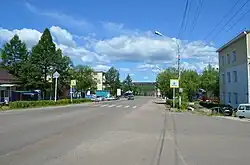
[118,106]
[104,105]
[127,106]
[112,105]
[96,105]
[134,106]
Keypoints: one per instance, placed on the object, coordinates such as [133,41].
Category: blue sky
[121,33]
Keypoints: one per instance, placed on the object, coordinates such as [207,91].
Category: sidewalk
[233,118]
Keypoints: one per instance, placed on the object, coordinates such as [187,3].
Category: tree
[210,81]
[44,59]
[127,84]
[14,54]
[163,81]
[112,80]
[190,84]
[84,77]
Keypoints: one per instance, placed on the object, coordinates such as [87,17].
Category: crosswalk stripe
[118,106]
[127,106]
[134,106]
[104,105]
[96,105]
[112,105]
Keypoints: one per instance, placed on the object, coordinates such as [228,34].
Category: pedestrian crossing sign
[174,83]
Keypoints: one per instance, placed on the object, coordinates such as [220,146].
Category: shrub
[183,104]
[44,103]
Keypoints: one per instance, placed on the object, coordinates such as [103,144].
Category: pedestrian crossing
[115,106]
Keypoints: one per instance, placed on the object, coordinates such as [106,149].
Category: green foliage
[190,81]
[84,76]
[112,80]
[43,103]
[128,84]
[209,81]
[163,81]
[14,55]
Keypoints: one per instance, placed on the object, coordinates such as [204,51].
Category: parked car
[243,111]
[225,110]
[130,97]
[97,99]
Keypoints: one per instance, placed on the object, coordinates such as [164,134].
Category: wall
[240,66]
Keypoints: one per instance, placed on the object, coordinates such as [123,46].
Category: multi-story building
[100,80]
[234,60]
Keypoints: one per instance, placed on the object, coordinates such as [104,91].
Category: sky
[121,33]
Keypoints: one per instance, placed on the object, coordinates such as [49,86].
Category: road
[135,132]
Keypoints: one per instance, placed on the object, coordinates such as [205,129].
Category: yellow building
[234,60]
[100,80]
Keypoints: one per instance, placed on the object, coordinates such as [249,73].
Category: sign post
[56,76]
[72,83]
[174,83]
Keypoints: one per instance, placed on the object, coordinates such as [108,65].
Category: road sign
[118,92]
[73,82]
[56,75]
[174,83]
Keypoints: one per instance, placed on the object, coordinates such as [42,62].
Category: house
[8,84]
[234,60]
[99,76]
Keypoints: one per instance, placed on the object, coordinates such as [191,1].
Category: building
[8,84]
[100,79]
[146,88]
[234,60]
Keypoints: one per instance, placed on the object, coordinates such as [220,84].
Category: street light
[178,64]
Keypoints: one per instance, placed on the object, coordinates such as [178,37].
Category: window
[222,60]
[228,59]
[229,97]
[234,56]
[236,98]
[247,108]
[235,76]
[223,78]
[241,108]
[228,77]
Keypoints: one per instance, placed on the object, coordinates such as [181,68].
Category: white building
[100,79]
[234,59]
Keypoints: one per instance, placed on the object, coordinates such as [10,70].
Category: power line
[224,17]
[188,12]
[183,18]
[235,14]
[236,22]
[197,14]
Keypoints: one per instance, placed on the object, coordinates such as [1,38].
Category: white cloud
[62,36]
[131,74]
[124,69]
[102,68]
[151,52]
[64,19]
[29,36]
[145,78]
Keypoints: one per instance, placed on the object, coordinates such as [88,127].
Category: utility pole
[179,73]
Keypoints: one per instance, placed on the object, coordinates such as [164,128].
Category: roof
[6,77]
[239,36]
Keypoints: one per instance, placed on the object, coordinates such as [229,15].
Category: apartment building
[100,79]
[234,70]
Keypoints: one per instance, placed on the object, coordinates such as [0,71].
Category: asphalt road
[135,132]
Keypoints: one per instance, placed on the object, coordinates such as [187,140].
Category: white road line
[127,106]
[96,105]
[104,105]
[112,105]
[118,106]
[134,106]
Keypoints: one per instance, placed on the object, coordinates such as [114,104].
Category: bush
[44,103]
[183,104]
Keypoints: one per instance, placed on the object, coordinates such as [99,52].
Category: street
[125,132]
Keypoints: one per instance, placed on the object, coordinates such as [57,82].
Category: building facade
[100,80]
[234,70]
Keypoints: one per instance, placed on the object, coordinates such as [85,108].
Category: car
[243,111]
[130,97]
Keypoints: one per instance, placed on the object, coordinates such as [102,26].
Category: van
[243,111]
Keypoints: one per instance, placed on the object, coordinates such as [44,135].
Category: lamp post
[178,64]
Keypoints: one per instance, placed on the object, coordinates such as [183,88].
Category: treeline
[191,82]
[34,68]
